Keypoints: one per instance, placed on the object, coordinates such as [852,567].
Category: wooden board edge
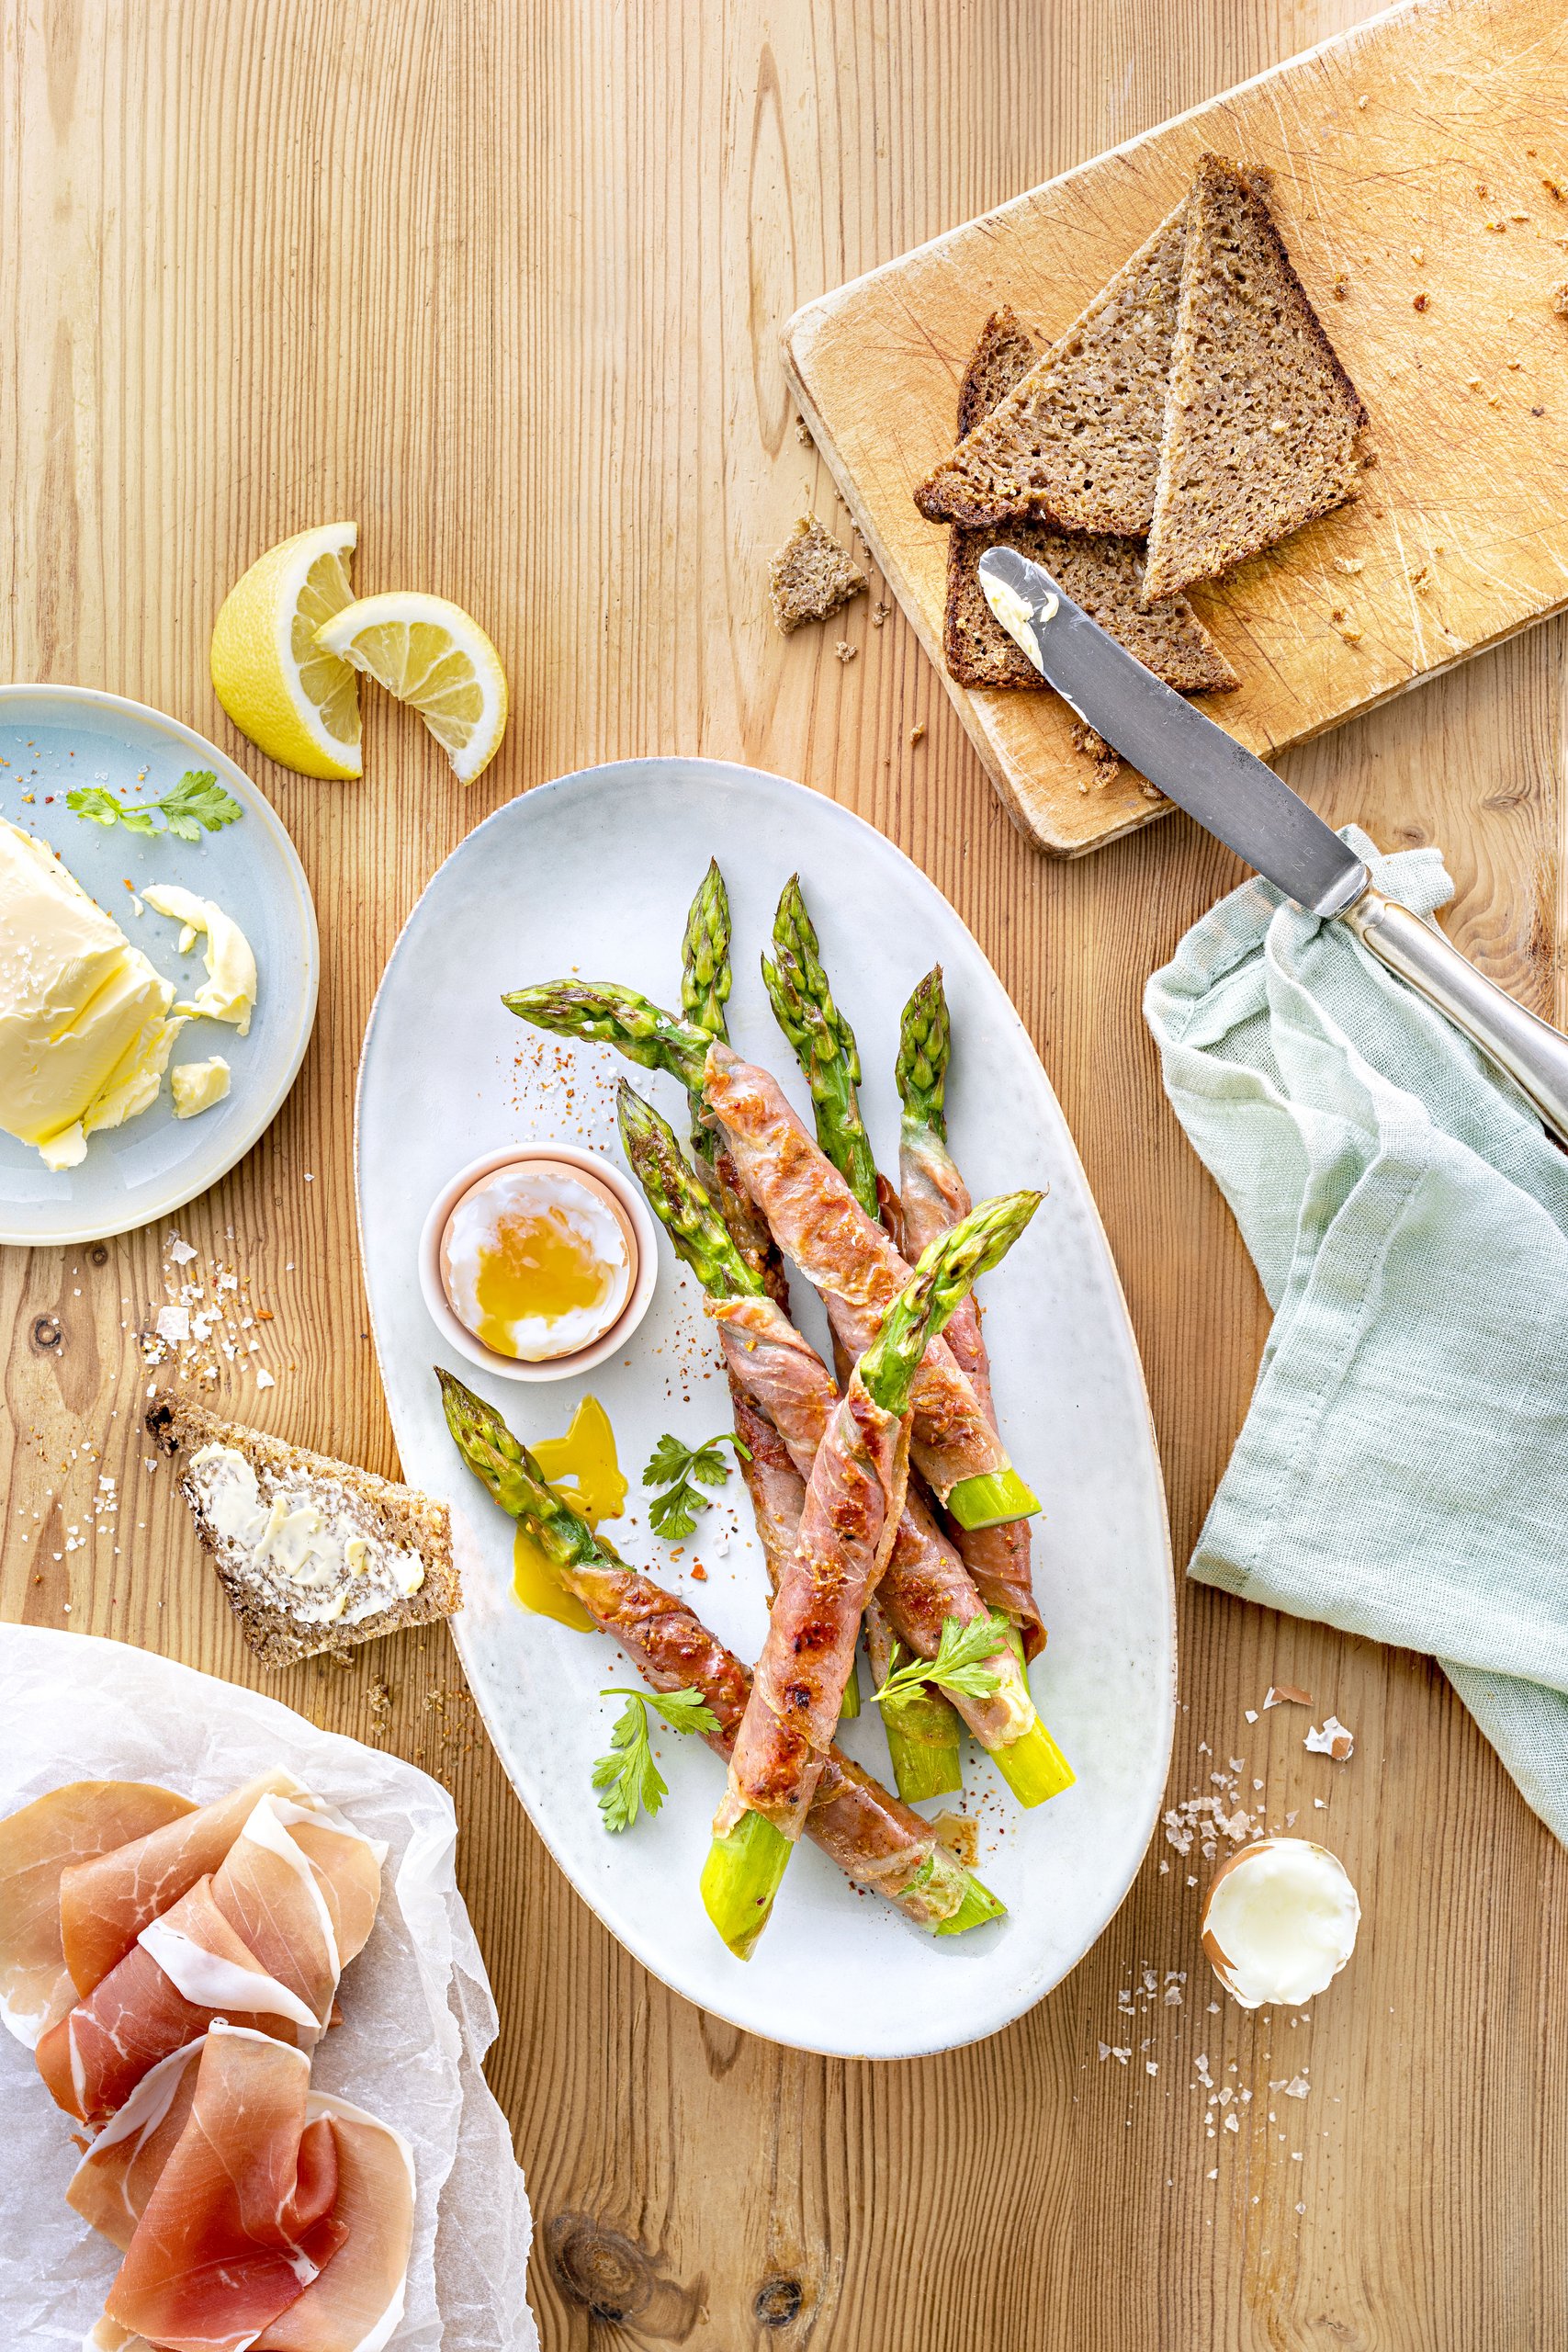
[1037,832]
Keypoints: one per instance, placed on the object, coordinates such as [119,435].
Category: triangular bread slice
[1076,443]
[1262,422]
[1101,573]
[348,1557]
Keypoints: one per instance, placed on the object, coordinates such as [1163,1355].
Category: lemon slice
[296,702]
[434,655]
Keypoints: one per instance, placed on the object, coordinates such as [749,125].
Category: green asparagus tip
[991,1500]
[978,1905]
[740,1878]
[945,1275]
[925,1045]
[1033,1766]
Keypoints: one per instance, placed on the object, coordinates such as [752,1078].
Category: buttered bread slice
[313,1554]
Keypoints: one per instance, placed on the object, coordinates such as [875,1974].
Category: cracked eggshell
[1315,1885]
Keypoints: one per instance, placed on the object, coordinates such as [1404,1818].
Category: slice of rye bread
[393,1517]
[1102,575]
[1262,425]
[811,576]
[1077,442]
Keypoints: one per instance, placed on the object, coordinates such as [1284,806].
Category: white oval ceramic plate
[51,740]
[593,875]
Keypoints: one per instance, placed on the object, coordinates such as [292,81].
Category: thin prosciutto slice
[854,1504]
[934,1198]
[38,1847]
[111,2185]
[357,2300]
[262,1941]
[923,1581]
[817,1220]
[241,2221]
[107,1902]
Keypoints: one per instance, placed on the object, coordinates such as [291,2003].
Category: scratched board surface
[1422,186]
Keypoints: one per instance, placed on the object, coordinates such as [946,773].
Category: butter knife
[1244,804]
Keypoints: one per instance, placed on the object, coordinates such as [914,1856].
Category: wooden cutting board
[1422,186]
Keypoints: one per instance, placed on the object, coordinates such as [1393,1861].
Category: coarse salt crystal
[181,1251]
[1297,2088]
[264,1378]
[174,1323]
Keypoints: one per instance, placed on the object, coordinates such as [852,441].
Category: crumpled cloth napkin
[1402,1471]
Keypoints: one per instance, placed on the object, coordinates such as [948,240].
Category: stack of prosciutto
[172,1967]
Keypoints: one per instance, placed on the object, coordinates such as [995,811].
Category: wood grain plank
[506,282]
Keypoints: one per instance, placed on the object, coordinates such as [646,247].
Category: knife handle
[1534,1054]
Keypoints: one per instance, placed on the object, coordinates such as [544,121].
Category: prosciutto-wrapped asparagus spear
[853,1503]
[924,1737]
[814,1217]
[924,1584]
[861,1826]
[934,1198]
[706,978]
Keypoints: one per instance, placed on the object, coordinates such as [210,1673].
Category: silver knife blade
[1205,771]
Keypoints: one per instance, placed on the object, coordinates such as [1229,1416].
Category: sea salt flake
[1297,2088]
[264,1378]
[181,1251]
[174,1323]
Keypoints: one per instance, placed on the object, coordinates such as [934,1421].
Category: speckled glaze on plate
[593,875]
[51,740]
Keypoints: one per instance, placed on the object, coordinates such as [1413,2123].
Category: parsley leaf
[196,803]
[627,1779]
[962,1662]
[684,1471]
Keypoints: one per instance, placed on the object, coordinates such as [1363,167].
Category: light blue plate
[51,740]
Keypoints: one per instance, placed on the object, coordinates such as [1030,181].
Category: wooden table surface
[505,281]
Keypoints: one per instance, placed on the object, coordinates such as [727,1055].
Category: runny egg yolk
[583,1468]
[536,1263]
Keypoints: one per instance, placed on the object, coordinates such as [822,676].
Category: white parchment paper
[417,2009]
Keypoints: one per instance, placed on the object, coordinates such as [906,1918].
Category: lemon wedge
[434,655]
[297,703]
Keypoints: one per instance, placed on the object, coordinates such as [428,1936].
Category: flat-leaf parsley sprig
[679,1468]
[197,803]
[627,1779]
[962,1663]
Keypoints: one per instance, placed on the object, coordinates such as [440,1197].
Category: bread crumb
[1341,288]
[879,612]
[917,734]
[1362,105]
[811,576]
[1105,763]
[1349,563]
[1421,302]
[1554,191]
[803,433]
[845,650]
[1498,228]
[1560,300]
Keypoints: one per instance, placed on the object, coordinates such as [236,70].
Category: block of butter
[84,1032]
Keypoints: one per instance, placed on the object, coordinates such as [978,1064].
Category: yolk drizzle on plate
[583,1468]
[535,1262]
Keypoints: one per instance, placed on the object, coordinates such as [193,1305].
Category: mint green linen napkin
[1402,1471]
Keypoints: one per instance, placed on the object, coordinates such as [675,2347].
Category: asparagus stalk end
[740,1878]
[1033,1766]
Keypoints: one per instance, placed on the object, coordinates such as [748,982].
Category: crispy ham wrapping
[854,1504]
[933,1198]
[871,1836]
[923,1581]
[816,1220]
[262,1941]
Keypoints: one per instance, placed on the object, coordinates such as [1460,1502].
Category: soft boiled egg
[1280,1921]
[539,1259]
